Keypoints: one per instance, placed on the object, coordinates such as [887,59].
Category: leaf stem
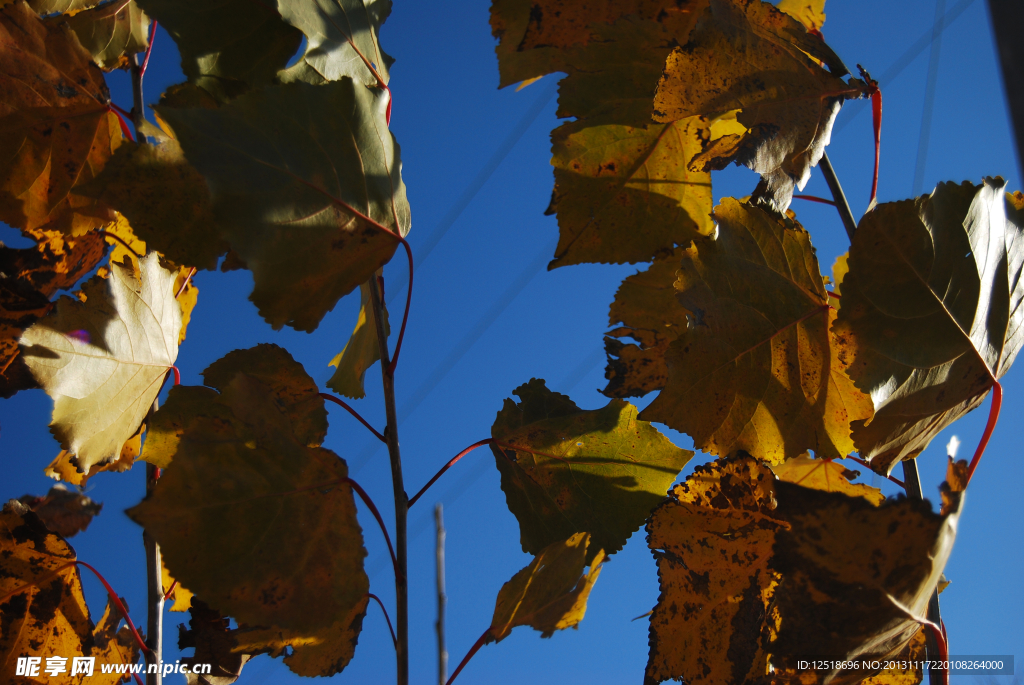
[184,284]
[149,49]
[405,316]
[864,463]
[354,413]
[814,198]
[451,463]
[481,641]
[376,514]
[386,617]
[107,234]
[117,111]
[845,213]
[993,418]
[401,499]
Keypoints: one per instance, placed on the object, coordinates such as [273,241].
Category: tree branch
[845,213]
[442,598]
[401,499]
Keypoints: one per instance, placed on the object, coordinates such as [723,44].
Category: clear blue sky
[487,316]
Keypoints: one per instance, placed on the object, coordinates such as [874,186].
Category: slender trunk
[912,481]
[401,499]
[845,213]
[442,598]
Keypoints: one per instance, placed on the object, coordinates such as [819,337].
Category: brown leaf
[825,475]
[63,511]
[214,644]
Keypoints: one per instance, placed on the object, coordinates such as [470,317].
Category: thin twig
[376,514]
[386,617]
[442,597]
[845,213]
[184,284]
[354,413]
[401,499]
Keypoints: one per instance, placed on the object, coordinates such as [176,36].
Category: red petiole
[376,514]
[815,198]
[481,641]
[120,114]
[993,418]
[864,463]
[354,413]
[387,618]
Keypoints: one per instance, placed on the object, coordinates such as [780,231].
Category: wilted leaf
[29,277]
[647,306]
[227,46]
[181,595]
[111,31]
[341,40]
[213,641]
[360,352]
[63,511]
[810,13]
[749,56]
[55,130]
[551,593]
[624,194]
[599,471]
[42,603]
[165,199]
[712,539]
[931,311]
[307,188]
[250,514]
[825,475]
[103,361]
[756,369]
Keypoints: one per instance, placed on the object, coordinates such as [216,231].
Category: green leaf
[751,57]
[111,32]
[551,593]
[55,129]
[227,46]
[164,198]
[254,518]
[756,369]
[599,471]
[341,40]
[624,194]
[103,361]
[360,352]
[307,188]
[931,311]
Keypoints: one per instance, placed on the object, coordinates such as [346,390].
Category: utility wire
[929,99]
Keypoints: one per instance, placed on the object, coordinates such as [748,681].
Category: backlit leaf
[810,13]
[43,605]
[103,361]
[181,596]
[827,476]
[623,194]
[551,593]
[649,311]
[341,40]
[599,471]
[165,199]
[253,516]
[227,46]
[55,129]
[307,188]
[749,56]
[65,512]
[712,539]
[931,311]
[756,369]
[65,467]
[110,31]
[359,353]
[29,277]
[209,634]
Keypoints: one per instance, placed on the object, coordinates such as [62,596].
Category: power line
[929,99]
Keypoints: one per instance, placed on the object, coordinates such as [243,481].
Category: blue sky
[487,316]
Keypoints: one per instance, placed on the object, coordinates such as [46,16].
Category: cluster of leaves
[292,173]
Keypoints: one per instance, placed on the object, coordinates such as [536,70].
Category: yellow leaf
[180,594]
[360,352]
[827,476]
[810,13]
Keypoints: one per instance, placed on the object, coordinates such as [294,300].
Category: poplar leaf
[63,511]
[360,352]
[341,37]
[65,466]
[179,593]
[103,361]
[307,188]
[931,313]
[44,607]
[825,475]
[752,57]
[551,593]
[165,199]
[29,277]
[621,193]
[245,478]
[599,471]
[756,368]
[650,313]
[810,13]
[111,32]
[55,130]
[227,46]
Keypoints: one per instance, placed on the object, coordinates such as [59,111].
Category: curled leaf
[65,512]
[360,352]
